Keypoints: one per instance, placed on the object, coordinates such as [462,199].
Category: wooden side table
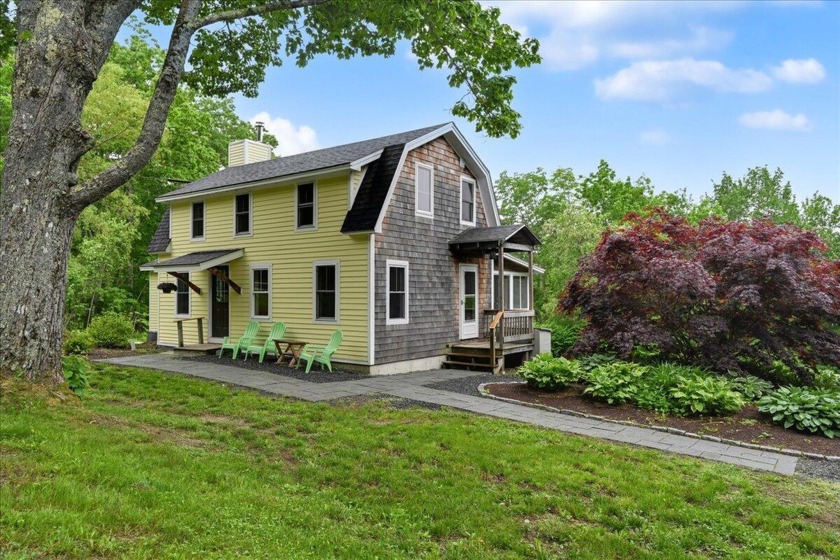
[292,350]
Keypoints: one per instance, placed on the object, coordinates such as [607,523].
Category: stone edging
[486,394]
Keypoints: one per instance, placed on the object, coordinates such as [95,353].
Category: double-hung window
[424,190]
[182,297]
[261,292]
[197,221]
[467,202]
[396,287]
[306,206]
[326,284]
[242,214]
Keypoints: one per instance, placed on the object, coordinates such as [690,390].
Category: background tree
[60,50]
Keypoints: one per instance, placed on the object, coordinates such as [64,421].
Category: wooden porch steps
[196,349]
[475,355]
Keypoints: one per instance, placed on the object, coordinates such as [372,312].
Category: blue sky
[677,91]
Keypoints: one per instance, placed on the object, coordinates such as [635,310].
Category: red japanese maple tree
[730,296]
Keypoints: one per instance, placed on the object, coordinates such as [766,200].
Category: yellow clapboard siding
[274,240]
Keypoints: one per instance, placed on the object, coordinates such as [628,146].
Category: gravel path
[469,385]
[314,376]
[819,468]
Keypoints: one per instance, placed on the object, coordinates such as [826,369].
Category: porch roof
[488,239]
[193,262]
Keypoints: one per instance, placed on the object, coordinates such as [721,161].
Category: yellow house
[395,241]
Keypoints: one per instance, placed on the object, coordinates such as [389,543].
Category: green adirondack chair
[313,353]
[268,347]
[244,341]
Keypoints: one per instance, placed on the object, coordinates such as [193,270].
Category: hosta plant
[615,383]
[550,374]
[752,387]
[706,395]
[808,410]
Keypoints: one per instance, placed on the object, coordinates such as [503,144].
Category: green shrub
[751,387]
[549,374]
[111,330]
[827,378]
[654,391]
[700,394]
[592,361]
[76,370]
[616,382]
[78,342]
[807,410]
[565,331]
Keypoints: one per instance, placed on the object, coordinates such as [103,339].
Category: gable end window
[182,298]
[424,190]
[242,214]
[197,221]
[468,202]
[306,208]
[396,289]
[326,282]
[261,292]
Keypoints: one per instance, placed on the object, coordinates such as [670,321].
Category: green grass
[150,465]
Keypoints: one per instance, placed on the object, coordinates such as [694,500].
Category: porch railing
[516,325]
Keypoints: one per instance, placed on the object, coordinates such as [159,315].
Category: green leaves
[550,374]
[698,394]
[808,410]
[615,383]
[463,37]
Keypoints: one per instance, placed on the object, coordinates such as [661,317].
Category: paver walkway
[411,386]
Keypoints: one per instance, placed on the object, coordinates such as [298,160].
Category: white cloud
[291,139]
[808,71]
[655,136]
[574,35]
[659,80]
[775,120]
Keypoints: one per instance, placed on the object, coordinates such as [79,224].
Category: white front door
[469,301]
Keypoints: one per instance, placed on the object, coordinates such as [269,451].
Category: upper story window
[182,298]
[326,291]
[197,221]
[242,214]
[424,190]
[396,288]
[468,202]
[305,206]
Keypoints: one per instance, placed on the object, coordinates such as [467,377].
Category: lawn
[150,465]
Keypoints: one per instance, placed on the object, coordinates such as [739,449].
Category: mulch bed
[749,425]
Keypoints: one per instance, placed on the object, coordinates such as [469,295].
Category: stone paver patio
[411,386]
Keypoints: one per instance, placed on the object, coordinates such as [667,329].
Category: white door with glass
[469,301]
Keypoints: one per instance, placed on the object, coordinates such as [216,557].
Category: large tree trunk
[54,73]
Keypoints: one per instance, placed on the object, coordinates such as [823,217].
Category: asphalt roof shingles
[299,163]
[160,239]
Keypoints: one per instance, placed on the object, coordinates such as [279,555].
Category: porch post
[531,280]
[502,296]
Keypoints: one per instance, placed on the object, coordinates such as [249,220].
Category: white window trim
[465,179]
[417,211]
[193,237]
[189,301]
[314,226]
[251,269]
[389,263]
[250,231]
[337,264]
[510,289]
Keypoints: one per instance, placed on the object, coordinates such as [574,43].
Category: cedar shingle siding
[433,270]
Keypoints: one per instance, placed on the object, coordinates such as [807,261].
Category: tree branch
[231,15]
[151,133]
